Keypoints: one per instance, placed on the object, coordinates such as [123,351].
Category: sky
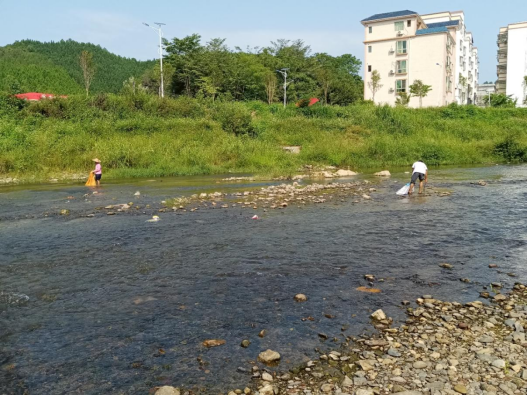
[327,26]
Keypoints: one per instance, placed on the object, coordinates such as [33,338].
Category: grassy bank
[144,136]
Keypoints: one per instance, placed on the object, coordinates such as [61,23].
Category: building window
[370,29]
[369,68]
[409,23]
[399,26]
[369,48]
[401,47]
[400,86]
[401,67]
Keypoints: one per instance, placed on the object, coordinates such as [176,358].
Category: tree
[375,83]
[499,100]
[420,90]
[88,69]
[403,99]
[270,82]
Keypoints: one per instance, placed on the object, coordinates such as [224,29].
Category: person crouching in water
[97,171]
[420,171]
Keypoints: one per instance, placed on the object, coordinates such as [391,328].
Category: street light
[283,72]
[160,32]
[489,91]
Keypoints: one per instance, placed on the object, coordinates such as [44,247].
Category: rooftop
[443,24]
[387,15]
[433,30]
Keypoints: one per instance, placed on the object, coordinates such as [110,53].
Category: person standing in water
[97,171]
[420,171]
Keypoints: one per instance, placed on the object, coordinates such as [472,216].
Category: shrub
[511,150]
[234,118]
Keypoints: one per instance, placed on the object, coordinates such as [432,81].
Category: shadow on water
[119,305]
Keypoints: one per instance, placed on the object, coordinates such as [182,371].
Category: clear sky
[327,26]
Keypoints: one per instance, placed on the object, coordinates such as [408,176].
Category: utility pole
[283,72]
[160,33]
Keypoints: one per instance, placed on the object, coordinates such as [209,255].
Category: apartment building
[404,46]
[512,62]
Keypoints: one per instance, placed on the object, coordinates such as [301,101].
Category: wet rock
[446,265]
[379,315]
[262,333]
[64,212]
[269,356]
[247,391]
[499,297]
[110,213]
[167,390]
[137,193]
[369,277]
[245,343]
[344,173]
[300,297]
[383,173]
[213,343]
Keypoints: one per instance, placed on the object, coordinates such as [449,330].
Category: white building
[483,92]
[512,62]
[404,46]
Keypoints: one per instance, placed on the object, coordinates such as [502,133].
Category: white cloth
[419,167]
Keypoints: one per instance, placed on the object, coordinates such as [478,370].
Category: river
[116,304]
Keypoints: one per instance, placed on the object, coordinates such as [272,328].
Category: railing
[503,38]
[502,51]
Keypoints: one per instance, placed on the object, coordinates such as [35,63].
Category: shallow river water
[120,305]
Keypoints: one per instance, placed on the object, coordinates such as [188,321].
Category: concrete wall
[517,62]
[428,60]
[385,30]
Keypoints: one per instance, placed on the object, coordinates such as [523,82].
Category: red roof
[35,96]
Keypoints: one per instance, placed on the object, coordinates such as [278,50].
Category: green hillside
[23,71]
[58,59]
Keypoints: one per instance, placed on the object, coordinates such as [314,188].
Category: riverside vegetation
[144,136]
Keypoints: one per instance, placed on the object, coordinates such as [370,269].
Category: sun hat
[96,160]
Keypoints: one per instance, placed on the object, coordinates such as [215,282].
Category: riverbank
[442,348]
[147,137]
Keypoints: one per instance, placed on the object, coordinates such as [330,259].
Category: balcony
[502,51]
[502,38]
[501,69]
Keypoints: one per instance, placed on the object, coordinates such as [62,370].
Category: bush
[234,118]
[511,150]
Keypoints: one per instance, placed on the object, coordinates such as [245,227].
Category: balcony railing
[502,51]
[503,38]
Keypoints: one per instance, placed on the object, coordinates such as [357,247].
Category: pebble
[393,352]
[379,315]
[269,356]
[300,298]
[499,363]
[460,388]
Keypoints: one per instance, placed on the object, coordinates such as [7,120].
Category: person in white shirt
[420,171]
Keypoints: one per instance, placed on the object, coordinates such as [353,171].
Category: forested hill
[54,67]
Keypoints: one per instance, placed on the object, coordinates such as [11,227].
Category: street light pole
[489,91]
[283,72]
[160,33]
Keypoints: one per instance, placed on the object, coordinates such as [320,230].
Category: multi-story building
[512,62]
[404,46]
[483,92]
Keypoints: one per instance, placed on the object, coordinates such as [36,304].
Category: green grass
[144,136]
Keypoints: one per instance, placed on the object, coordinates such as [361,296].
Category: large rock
[266,390]
[267,377]
[344,173]
[269,356]
[383,173]
[167,390]
[379,315]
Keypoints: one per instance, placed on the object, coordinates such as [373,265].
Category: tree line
[213,70]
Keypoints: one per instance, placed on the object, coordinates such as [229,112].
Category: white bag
[404,190]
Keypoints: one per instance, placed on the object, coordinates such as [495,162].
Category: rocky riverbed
[442,348]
